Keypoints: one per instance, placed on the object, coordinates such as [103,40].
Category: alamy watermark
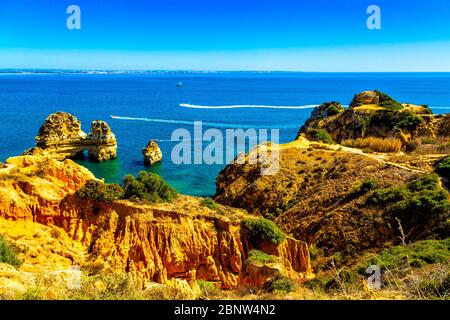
[213,147]
[374,20]
[374,280]
[73,21]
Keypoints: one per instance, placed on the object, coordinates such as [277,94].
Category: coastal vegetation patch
[147,187]
[321,135]
[264,229]
[8,254]
[419,207]
[386,101]
[99,191]
[280,283]
[209,203]
[258,256]
[443,167]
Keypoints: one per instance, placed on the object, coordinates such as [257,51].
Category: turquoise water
[155,106]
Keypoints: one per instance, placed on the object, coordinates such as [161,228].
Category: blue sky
[297,35]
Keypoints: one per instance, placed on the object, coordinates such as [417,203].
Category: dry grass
[375,144]
[421,146]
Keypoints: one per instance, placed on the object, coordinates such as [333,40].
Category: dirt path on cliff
[381,157]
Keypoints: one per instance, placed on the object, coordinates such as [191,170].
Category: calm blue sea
[27,99]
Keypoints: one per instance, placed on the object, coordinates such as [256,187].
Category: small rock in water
[152,153]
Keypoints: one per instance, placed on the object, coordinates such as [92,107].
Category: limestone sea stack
[104,144]
[61,137]
[152,153]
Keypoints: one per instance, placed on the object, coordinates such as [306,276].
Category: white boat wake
[208,124]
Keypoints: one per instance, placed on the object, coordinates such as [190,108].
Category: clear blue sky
[314,35]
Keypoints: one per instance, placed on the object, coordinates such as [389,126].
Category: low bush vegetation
[148,187]
[426,109]
[8,254]
[257,256]
[418,270]
[375,144]
[443,167]
[264,229]
[365,186]
[332,108]
[387,102]
[281,284]
[321,135]
[209,203]
[417,255]
[209,290]
[406,120]
[99,191]
[428,141]
[421,206]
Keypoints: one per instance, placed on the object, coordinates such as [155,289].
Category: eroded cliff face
[156,242]
[61,137]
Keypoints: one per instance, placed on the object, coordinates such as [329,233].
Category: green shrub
[209,203]
[32,294]
[443,167]
[263,229]
[427,109]
[406,120]
[257,256]
[99,191]
[417,254]
[333,108]
[280,283]
[8,254]
[418,204]
[365,186]
[386,101]
[321,135]
[367,150]
[428,141]
[396,120]
[148,187]
[436,287]
[209,290]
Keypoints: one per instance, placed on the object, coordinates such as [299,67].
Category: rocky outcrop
[102,141]
[372,113]
[155,242]
[62,138]
[365,98]
[152,153]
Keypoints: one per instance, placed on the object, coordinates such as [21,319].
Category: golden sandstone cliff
[153,242]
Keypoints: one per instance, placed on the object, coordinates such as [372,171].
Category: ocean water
[152,107]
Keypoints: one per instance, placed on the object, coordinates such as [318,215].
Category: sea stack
[104,144]
[152,153]
[62,138]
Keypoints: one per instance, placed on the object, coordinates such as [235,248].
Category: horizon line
[110,71]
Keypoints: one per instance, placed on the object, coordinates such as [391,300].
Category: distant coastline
[157,71]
